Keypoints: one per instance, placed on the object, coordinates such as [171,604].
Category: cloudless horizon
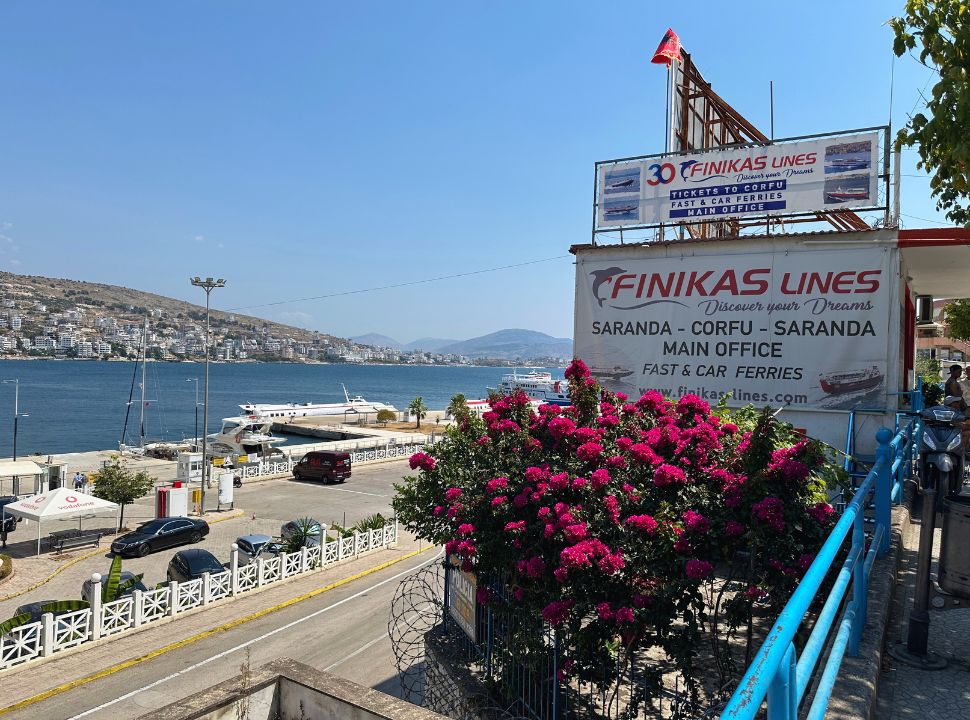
[311,149]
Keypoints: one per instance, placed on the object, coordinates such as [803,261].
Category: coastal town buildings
[38,326]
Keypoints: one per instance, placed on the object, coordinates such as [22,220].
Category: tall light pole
[208,285]
[196,381]
[16,416]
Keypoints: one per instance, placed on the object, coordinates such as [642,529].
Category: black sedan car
[192,564]
[158,534]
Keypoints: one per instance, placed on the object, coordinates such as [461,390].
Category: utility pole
[196,381]
[16,416]
[208,285]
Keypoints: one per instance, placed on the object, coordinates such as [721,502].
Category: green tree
[418,409]
[458,407]
[957,315]
[385,416]
[118,483]
[940,31]
[929,370]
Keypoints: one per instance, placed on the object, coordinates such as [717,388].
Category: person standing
[952,387]
[78,480]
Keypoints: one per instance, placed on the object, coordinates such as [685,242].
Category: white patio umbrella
[57,504]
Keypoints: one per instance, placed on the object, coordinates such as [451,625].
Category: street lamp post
[196,381]
[208,285]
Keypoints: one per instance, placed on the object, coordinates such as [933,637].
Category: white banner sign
[831,173]
[806,330]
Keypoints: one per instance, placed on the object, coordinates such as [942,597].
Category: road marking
[222,628]
[356,652]
[358,492]
[253,641]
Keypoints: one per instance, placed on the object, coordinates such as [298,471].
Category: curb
[74,561]
[118,667]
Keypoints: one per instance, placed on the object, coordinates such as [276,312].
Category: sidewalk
[907,692]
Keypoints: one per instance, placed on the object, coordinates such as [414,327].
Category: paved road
[272,502]
[343,630]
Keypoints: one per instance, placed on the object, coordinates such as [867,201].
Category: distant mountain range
[511,344]
[426,344]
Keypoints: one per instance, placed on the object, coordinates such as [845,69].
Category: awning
[9,468]
[937,261]
[57,504]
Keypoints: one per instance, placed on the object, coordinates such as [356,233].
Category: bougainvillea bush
[619,521]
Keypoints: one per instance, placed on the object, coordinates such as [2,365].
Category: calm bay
[76,406]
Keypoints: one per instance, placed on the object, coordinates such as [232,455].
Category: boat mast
[144,359]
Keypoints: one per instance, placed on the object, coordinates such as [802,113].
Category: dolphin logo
[687,165]
[603,276]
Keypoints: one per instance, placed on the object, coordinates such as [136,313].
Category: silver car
[254,546]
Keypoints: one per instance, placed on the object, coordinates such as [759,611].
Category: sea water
[76,406]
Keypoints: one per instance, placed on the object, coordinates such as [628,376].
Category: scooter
[941,454]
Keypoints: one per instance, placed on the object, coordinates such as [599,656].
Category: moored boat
[356,405]
[535,384]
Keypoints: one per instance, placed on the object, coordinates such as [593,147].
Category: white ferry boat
[355,404]
[247,435]
[537,385]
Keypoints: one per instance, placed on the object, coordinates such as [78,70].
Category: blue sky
[310,148]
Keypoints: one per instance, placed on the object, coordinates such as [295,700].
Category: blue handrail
[777,673]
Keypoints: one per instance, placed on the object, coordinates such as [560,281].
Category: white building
[85,349]
[15,322]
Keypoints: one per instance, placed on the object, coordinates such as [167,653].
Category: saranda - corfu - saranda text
[809,328]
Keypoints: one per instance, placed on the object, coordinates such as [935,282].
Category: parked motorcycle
[941,453]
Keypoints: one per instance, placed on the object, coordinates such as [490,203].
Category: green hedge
[6,566]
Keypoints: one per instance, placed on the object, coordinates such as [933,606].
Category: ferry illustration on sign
[837,383]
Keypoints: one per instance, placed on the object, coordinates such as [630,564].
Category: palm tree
[418,409]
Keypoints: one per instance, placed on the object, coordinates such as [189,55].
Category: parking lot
[260,507]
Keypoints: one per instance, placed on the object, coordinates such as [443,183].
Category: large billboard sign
[801,329]
[785,178]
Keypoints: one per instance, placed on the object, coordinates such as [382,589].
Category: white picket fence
[51,635]
[385,451]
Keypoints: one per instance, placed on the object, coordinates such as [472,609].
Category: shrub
[6,566]
[612,521]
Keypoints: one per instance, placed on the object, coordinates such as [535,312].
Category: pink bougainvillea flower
[575,533]
[466,529]
[499,500]
[556,612]
[605,611]
[611,563]
[423,461]
[770,512]
[624,615]
[805,561]
[561,427]
[588,452]
[612,506]
[452,494]
[577,369]
[668,474]
[821,512]
[496,484]
[698,569]
[515,526]
[534,474]
[696,523]
[733,529]
[729,427]
[643,523]
[600,478]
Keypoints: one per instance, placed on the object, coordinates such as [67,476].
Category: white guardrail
[52,634]
[385,451]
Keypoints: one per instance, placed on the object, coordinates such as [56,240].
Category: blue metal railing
[777,673]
